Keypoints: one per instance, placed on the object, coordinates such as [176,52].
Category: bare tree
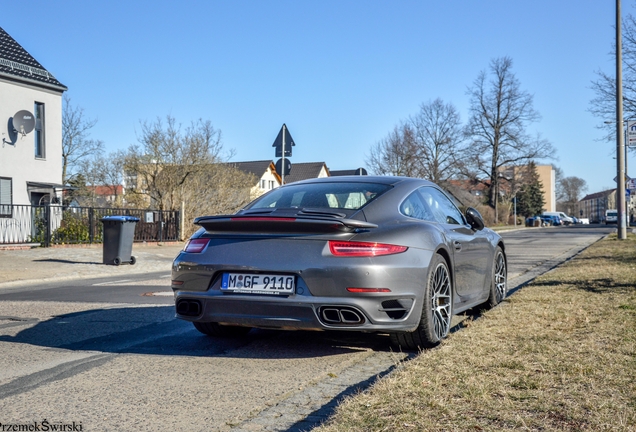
[569,191]
[396,154]
[438,136]
[603,105]
[76,145]
[220,189]
[168,156]
[499,114]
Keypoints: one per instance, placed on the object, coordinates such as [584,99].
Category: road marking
[158,294]
[113,282]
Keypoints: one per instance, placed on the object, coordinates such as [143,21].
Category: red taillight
[196,245]
[363,249]
[368,290]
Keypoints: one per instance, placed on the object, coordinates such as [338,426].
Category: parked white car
[584,221]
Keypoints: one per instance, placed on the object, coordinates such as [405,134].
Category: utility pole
[620,145]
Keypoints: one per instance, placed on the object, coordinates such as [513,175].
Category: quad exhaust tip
[340,315]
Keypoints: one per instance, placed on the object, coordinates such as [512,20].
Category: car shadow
[154,331]
[62,261]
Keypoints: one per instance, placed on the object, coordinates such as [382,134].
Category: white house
[30,128]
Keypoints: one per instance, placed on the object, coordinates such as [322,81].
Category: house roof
[107,190]
[258,168]
[305,170]
[597,195]
[17,63]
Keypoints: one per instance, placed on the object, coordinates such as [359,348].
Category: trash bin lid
[119,219]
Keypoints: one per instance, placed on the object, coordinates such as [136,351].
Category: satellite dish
[23,122]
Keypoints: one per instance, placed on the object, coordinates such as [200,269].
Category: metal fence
[56,225]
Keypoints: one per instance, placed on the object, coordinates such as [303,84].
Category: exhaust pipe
[189,308]
[340,315]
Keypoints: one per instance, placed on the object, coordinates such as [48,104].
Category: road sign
[279,167]
[631,133]
[288,143]
[627,179]
[631,184]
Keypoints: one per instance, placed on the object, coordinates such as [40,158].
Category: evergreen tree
[530,200]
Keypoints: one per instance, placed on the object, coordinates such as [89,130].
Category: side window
[40,149]
[415,208]
[441,206]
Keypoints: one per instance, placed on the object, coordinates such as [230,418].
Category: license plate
[258,283]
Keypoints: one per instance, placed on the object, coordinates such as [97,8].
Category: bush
[73,229]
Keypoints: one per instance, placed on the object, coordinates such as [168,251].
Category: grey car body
[290,235]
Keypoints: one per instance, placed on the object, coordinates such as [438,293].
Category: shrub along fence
[55,225]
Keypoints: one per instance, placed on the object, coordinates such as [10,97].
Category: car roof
[389,180]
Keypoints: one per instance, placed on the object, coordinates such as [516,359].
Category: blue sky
[340,74]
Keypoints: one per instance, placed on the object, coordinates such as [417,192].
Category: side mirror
[474,219]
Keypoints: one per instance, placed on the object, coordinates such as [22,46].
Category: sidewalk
[30,266]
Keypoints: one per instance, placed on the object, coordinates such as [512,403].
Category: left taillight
[363,249]
[196,245]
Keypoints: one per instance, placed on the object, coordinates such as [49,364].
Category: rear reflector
[368,290]
[196,245]
[363,249]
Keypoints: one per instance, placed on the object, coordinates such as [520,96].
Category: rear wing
[249,224]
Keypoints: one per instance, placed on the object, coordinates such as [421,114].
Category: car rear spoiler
[280,224]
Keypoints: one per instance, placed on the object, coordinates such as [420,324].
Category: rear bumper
[373,314]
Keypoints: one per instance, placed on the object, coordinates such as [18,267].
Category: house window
[262,184]
[39,131]
[6,197]
[271,184]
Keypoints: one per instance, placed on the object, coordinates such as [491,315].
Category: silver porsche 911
[360,253]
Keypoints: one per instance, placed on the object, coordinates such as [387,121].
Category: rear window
[349,195]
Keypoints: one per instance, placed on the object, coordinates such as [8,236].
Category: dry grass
[559,355]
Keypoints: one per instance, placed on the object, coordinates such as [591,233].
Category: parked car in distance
[565,219]
[584,221]
[353,253]
[551,220]
[611,217]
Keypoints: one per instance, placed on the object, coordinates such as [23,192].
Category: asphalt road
[108,354]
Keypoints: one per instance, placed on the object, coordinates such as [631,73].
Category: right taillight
[363,249]
[196,245]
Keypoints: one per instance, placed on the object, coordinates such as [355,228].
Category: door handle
[458,246]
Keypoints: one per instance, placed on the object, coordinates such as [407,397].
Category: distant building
[593,206]
[30,160]
[265,172]
[357,171]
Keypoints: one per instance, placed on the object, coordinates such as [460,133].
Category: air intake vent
[394,309]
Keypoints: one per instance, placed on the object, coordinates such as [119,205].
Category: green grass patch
[558,355]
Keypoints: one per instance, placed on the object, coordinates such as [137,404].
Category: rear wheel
[437,310]
[499,281]
[216,329]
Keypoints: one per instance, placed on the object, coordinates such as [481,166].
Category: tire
[216,329]
[117,261]
[133,260]
[498,280]
[437,310]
